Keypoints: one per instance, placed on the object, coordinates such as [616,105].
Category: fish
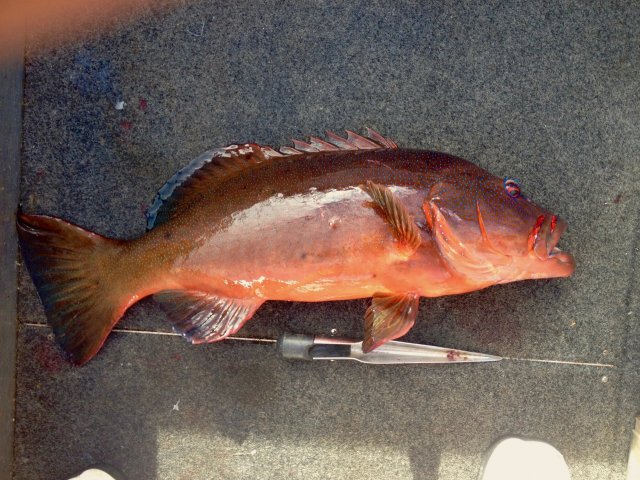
[339,218]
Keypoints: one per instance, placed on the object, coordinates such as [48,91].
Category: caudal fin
[73,270]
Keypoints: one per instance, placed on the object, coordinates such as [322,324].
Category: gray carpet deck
[544,93]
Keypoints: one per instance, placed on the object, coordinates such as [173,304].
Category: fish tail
[76,274]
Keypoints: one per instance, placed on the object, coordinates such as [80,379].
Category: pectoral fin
[203,317]
[393,211]
[390,316]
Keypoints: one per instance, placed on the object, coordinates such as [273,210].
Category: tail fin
[73,270]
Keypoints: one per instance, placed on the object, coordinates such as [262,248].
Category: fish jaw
[544,259]
[551,261]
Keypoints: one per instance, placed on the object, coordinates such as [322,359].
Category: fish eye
[512,187]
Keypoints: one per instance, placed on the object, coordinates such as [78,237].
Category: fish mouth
[544,239]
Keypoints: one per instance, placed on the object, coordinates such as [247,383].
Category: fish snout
[544,239]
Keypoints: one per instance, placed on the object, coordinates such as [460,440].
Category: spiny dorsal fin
[376,137]
[390,316]
[219,164]
[372,141]
[203,317]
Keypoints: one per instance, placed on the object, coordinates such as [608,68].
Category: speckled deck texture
[549,94]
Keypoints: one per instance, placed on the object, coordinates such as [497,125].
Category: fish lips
[546,245]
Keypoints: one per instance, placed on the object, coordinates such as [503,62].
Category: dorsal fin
[372,141]
[210,167]
[219,164]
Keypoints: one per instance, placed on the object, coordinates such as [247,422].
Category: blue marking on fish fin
[169,187]
[204,317]
[390,316]
[201,174]
[216,165]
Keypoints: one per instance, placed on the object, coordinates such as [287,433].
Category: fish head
[490,232]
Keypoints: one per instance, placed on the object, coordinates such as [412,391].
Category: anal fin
[390,316]
[204,317]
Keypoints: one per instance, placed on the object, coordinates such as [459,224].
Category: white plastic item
[515,458]
[633,470]
[93,474]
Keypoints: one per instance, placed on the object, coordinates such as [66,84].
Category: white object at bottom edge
[93,474]
[514,458]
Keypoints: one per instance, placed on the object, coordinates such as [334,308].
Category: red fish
[327,220]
